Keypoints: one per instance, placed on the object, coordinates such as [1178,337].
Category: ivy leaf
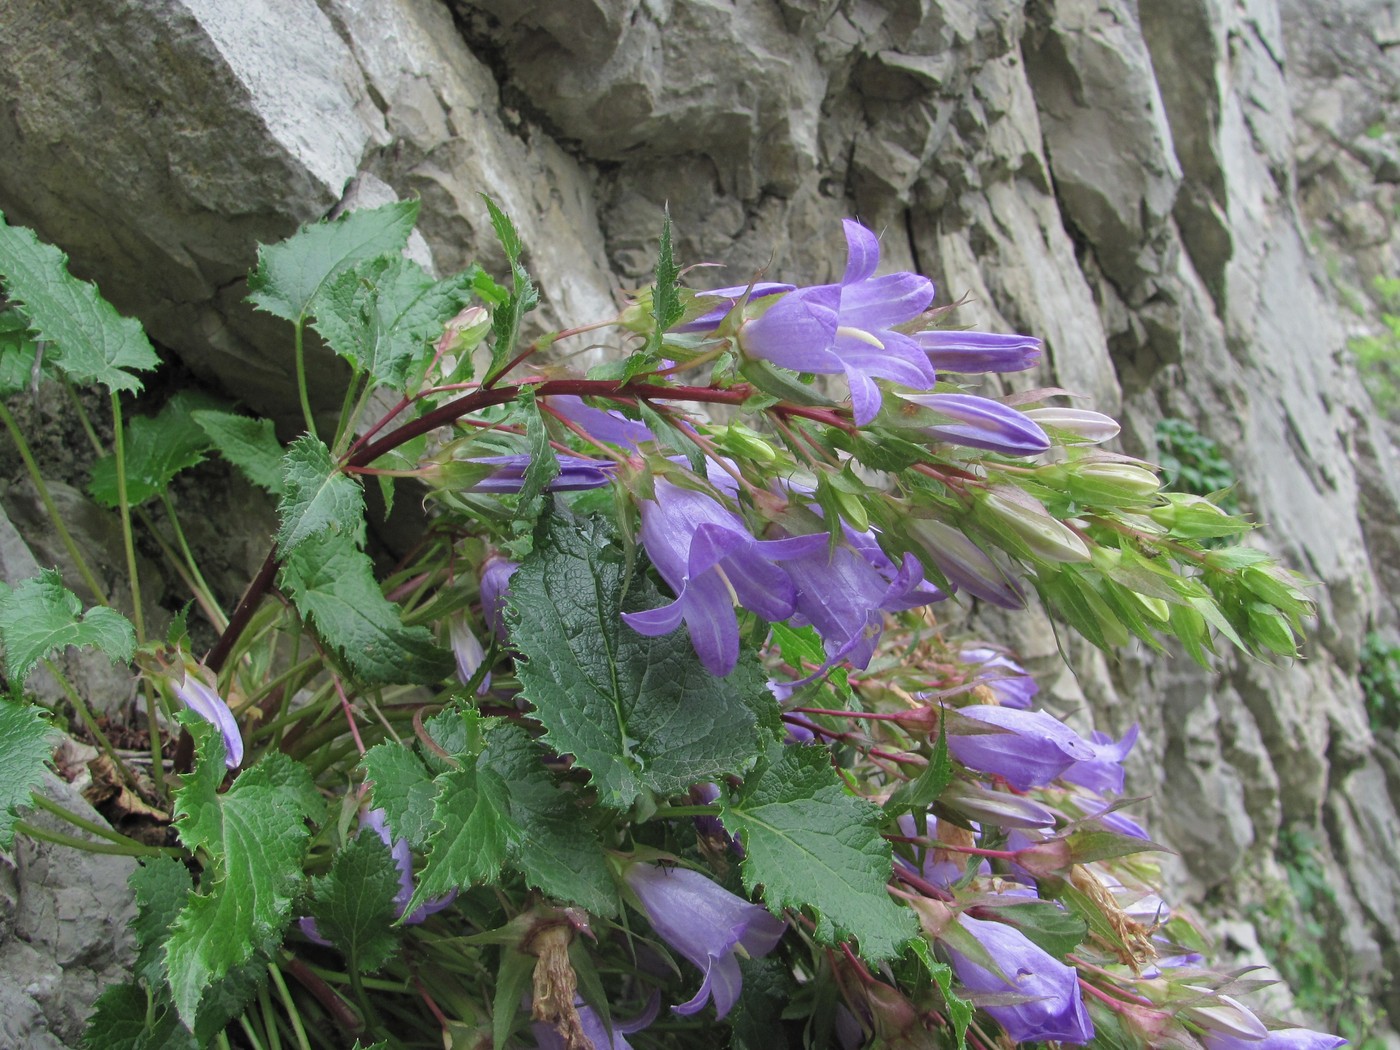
[93,343]
[403,788]
[384,314]
[353,905]
[26,746]
[506,318]
[317,496]
[289,275]
[41,616]
[666,305]
[812,845]
[254,837]
[157,448]
[641,714]
[332,583]
[125,1018]
[162,887]
[556,850]
[251,445]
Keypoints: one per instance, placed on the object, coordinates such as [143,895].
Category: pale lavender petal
[201,698]
[973,352]
[605,425]
[862,252]
[1034,749]
[797,331]
[1104,772]
[891,361]
[883,302]
[710,319]
[653,622]
[496,572]
[575,473]
[980,422]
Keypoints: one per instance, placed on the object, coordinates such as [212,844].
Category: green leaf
[957,1009]
[555,849]
[17,353]
[26,745]
[671,436]
[157,448]
[756,1020]
[384,315]
[544,465]
[332,584]
[125,1018]
[282,773]
[923,790]
[253,837]
[812,845]
[251,445]
[506,318]
[403,788]
[317,496]
[1048,925]
[641,714]
[93,343]
[353,905]
[41,616]
[162,887]
[666,306]
[289,275]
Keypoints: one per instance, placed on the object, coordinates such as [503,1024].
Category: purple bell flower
[1034,749]
[970,352]
[710,319]
[1104,772]
[1008,681]
[708,557]
[848,327]
[203,699]
[547,1037]
[604,424]
[575,473]
[707,925]
[496,572]
[966,565]
[467,651]
[980,422]
[1056,1013]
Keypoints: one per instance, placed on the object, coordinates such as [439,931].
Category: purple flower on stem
[467,650]
[1034,749]
[848,327]
[1104,772]
[966,565]
[575,473]
[604,424]
[980,422]
[1008,681]
[204,700]
[496,572]
[708,925]
[547,1037]
[969,352]
[708,557]
[1056,1011]
[710,319]
[1280,1039]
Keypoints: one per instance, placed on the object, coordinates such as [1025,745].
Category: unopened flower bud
[743,443]
[965,564]
[1115,484]
[996,807]
[1051,857]
[1224,1014]
[1090,428]
[1046,536]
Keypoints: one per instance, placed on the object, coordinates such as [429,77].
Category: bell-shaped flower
[725,300]
[1279,1039]
[1104,772]
[967,566]
[849,327]
[980,422]
[1032,748]
[467,651]
[1004,677]
[608,425]
[711,561]
[707,925]
[978,802]
[496,572]
[1054,1010]
[194,689]
[508,475]
[547,1037]
[970,352]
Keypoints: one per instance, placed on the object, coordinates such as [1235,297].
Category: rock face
[1170,194]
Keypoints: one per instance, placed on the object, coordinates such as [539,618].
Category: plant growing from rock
[656,733]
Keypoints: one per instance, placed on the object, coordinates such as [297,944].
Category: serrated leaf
[253,837]
[353,905]
[641,714]
[812,845]
[666,306]
[555,849]
[92,342]
[285,774]
[506,318]
[384,314]
[161,886]
[26,745]
[17,354]
[157,448]
[923,790]
[317,496]
[124,1018]
[673,437]
[332,583]
[41,616]
[403,788]
[289,275]
[251,445]
[958,1010]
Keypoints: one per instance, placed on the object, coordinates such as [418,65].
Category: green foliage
[162,888]
[252,838]
[249,444]
[317,496]
[26,745]
[41,617]
[523,295]
[666,305]
[1380,681]
[157,448]
[1378,356]
[353,905]
[92,342]
[290,275]
[332,583]
[811,844]
[1194,463]
[130,1017]
[18,352]
[641,714]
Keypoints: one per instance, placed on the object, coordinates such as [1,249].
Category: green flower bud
[1046,536]
[743,443]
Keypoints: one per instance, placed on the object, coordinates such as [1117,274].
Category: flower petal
[862,252]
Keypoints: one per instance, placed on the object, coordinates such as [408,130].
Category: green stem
[63,534]
[100,830]
[211,612]
[245,1023]
[302,393]
[85,714]
[269,1020]
[293,1014]
[126,848]
[83,420]
[364,1002]
[350,408]
[205,592]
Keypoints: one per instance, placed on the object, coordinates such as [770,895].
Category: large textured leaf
[123,1019]
[17,353]
[162,887]
[253,837]
[289,275]
[353,905]
[41,616]
[402,786]
[332,583]
[251,445]
[26,745]
[317,496]
[157,448]
[92,342]
[810,844]
[641,714]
